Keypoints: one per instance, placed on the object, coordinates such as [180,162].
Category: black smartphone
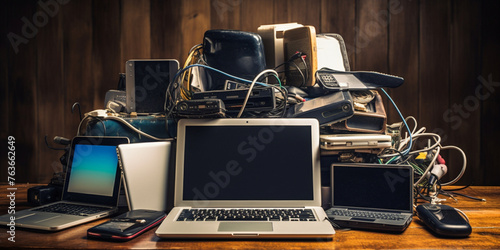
[127,226]
[444,220]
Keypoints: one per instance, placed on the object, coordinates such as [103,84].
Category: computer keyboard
[72,209]
[246,215]
[364,214]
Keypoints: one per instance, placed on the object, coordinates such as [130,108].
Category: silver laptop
[145,170]
[247,178]
[372,196]
[91,187]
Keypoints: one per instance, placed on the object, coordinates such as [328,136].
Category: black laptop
[372,196]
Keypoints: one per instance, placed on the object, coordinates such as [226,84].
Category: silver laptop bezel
[179,166]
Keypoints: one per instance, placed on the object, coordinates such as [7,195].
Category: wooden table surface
[484,219]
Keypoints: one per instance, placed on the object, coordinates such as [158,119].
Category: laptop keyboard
[246,215]
[72,209]
[365,214]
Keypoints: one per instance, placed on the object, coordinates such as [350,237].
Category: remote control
[330,79]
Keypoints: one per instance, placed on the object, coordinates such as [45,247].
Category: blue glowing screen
[93,170]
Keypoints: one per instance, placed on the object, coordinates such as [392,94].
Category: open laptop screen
[372,186]
[243,162]
[93,170]
[93,174]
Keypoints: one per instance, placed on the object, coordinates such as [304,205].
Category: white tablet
[145,171]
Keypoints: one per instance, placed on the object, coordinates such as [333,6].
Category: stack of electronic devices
[349,108]
[206,166]
[313,68]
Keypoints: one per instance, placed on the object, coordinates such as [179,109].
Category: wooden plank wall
[72,51]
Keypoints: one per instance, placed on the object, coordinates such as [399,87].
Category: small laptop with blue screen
[91,187]
[372,196]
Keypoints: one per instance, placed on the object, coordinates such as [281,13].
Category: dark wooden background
[445,50]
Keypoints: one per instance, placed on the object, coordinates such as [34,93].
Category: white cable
[414,120]
[460,211]
[135,129]
[464,166]
[438,149]
[251,87]
[80,125]
[405,141]
[124,122]
[436,138]
[418,134]
[431,165]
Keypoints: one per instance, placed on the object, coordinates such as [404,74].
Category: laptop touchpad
[245,226]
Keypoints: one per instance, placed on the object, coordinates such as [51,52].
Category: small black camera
[41,195]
